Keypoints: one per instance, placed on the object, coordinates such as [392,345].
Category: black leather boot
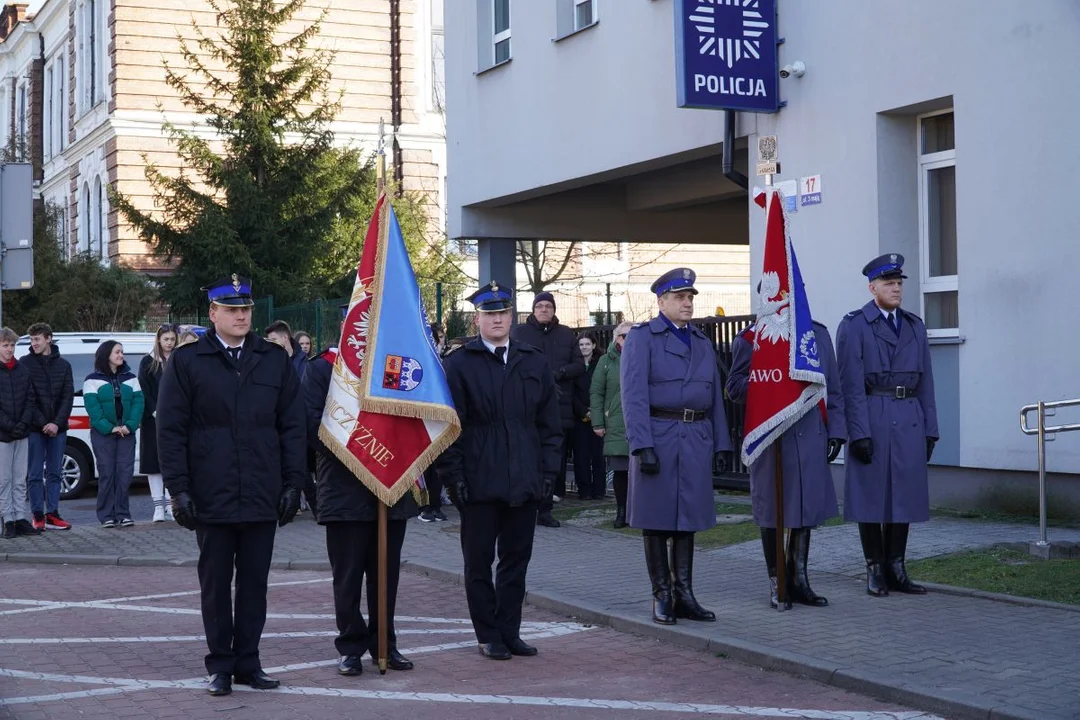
[686,605]
[768,544]
[656,559]
[620,517]
[896,577]
[870,535]
[799,589]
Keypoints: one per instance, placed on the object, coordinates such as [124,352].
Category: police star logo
[494,286]
[236,282]
[892,258]
[686,274]
[731,50]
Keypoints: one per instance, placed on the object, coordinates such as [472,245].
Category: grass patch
[1002,570]
[991,516]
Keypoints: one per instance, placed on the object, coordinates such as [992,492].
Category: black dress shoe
[546,519]
[397,661]
[495,651]
[220,684]
[520,647]
[350,665]
[258,680]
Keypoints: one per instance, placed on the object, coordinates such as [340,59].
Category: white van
[78,349]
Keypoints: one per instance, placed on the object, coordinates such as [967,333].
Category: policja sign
[725,55]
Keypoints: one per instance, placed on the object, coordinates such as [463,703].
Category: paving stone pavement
[964,657]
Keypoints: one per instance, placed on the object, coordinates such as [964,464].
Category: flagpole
[380,184]
[781,564]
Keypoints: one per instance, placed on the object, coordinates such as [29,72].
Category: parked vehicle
[79,468]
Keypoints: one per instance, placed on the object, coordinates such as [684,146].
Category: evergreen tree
[265,196]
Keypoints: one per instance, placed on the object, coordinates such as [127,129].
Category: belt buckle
[687,415]
[901,392]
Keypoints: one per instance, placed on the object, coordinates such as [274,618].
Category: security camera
[797,68]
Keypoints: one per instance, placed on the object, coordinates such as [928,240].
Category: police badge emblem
[236,282]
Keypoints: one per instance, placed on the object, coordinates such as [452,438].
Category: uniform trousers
[495,608]
[233,637]
[353,548]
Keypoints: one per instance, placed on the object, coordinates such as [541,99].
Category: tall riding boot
[870,535]
[686,605]
[768,544]
[896,535]
[656,559]
[619,485]
[620,517]
[797,558]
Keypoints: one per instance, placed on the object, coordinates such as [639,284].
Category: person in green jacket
[607,418]
[114,404]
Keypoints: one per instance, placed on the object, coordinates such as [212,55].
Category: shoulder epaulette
[854,313]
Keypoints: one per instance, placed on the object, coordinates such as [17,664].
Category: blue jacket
[99,398]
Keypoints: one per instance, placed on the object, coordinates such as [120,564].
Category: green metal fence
[321,319]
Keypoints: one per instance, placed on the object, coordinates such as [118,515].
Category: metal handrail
[1042,430]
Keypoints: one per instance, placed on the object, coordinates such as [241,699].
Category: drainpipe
[729,152]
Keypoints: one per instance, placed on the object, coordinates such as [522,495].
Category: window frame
[933,284]
[498,37]
[592,17]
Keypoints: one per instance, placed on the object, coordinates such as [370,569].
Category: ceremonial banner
[389,413]
[786,380]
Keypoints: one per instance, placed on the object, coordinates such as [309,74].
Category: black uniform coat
[231,437]
[342,497]
[511,436]
[53,386]
[19,413]
[150,383]
[559,346]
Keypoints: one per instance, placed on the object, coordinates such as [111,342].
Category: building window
[59,105]
[584,13]
[47,115]
[90,53]
[97,220]
[22,141]
[438,58]
[937,224]
[500,37]
[84,220]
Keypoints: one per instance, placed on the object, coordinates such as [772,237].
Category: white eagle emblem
[772,320]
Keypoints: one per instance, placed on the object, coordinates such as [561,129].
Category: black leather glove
[719,463]
[549,486]
[833,448]
[288,505]
[650,464]
[183,510]
[863,450]
[19,430]
[930,443]
[459,494]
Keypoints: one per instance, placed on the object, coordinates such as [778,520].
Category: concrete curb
[944,702]
[1001,597]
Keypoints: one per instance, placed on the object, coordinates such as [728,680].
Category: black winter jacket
[559,346]
[510,430]
[342,497]
[19,413]
[230,437]
[53,386]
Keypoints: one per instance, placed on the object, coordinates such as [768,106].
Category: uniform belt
[684,415]
[897,392]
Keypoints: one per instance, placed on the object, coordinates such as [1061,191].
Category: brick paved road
[113,642]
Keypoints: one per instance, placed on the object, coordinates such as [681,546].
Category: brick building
[83,97]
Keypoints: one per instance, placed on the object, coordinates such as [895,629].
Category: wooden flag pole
[383,650]
[380,180]
[781,565]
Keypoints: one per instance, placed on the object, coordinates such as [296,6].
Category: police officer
[231,437]
[501,467]
[672,401]
[807,449]
[888,385]
[349,511]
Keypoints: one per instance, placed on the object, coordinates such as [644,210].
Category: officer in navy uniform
[231,438]
[501,467]
[888,385]
[349,512]
[673,404]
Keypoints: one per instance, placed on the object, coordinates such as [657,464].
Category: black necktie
[893,324]
[234,353]
[500,352]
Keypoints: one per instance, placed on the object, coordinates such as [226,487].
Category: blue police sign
[726,55]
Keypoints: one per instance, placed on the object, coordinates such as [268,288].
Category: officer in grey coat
[672,401]
[807,449]
[888,385]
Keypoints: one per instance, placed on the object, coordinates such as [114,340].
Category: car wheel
[75,474]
